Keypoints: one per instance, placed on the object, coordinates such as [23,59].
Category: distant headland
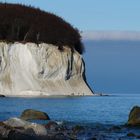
[40,54]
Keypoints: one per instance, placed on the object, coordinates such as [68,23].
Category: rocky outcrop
[31,114]
[2,96]
[41,70]
[18,129]
[19,123]
[134,116]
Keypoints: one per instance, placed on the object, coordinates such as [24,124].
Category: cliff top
[28,24]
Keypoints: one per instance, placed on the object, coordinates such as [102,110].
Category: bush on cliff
[27,24]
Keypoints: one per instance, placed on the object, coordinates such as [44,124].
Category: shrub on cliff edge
[28,24]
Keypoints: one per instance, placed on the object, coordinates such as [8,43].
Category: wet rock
[134,116]
[38,129]
[1,138]
[1,124]
[77,128]
[30,114]
[29,131]
[99,137]
[1,96]
[131,134]
[115,128]
[138,137]
[18,123]
[52,125]
[15,135]
[4,130]
[92,138]
[60,136]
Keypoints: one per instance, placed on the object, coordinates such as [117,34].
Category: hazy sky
[93,14]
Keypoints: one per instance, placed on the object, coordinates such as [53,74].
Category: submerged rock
[131,134]
[134,116]
[77,128]
[1,96]
[41,70]
[30,114]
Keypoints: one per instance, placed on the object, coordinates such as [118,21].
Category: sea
[103,117]
[111,109]
[112,68]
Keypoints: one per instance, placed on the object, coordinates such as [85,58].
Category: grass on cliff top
[28,24]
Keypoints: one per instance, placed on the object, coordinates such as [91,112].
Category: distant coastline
[111,35]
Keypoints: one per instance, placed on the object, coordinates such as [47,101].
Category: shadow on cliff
[84,77]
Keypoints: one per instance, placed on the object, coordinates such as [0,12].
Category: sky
[120,15]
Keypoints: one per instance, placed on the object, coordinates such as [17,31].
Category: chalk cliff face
[40,70]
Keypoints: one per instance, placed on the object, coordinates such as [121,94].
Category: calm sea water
[102,117]
[113,109]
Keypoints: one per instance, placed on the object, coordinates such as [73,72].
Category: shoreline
[50,96]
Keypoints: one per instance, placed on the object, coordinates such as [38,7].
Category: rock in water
[19,123]
[30,114]
[41,70]
[134,116]
[1,96]
[16,135]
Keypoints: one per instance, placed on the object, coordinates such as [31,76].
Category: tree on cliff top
[28,24]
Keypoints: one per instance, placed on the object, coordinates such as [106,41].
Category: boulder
[30,114]
[130,134]
[51,125]
[17,129]
[16,123]
[1,96]
[39,130]
[4,130]
[134,116]
[77,128]
[15,135]
[25,126]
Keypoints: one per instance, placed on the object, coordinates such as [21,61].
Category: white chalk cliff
[40,70]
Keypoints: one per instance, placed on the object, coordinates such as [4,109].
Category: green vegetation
[28,24]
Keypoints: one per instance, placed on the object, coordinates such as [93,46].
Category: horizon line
[111,35]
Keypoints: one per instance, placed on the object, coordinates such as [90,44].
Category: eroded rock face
[40,70]
[134,116]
